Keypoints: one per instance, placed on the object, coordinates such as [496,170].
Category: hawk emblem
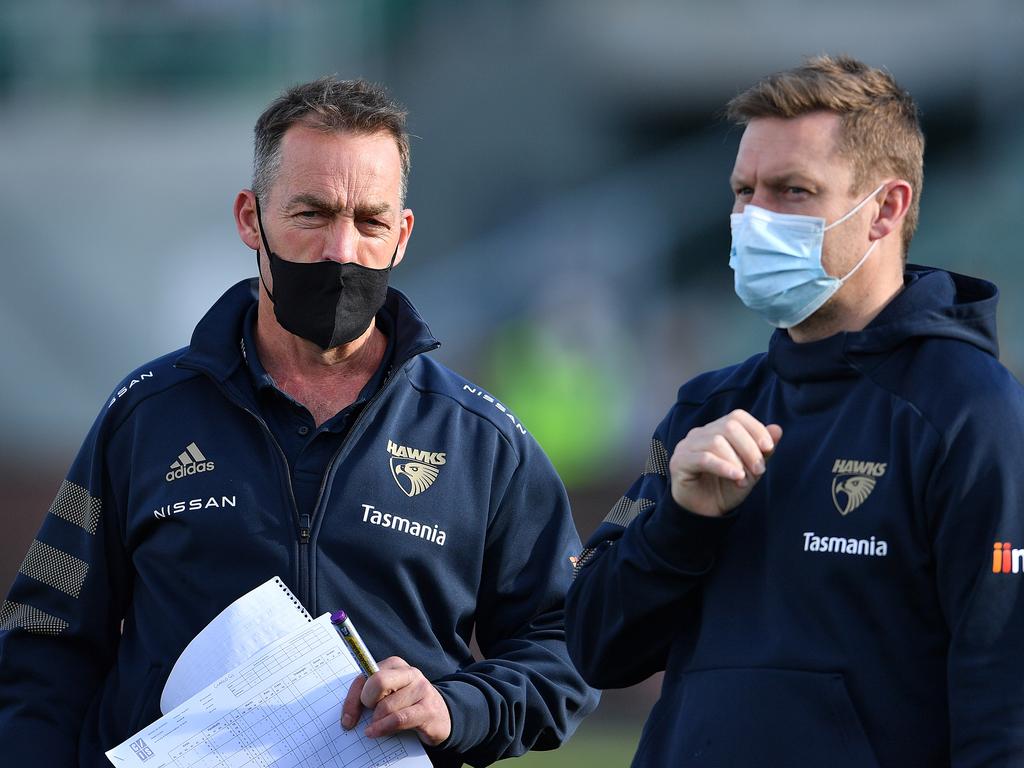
[413,477]
[851,491]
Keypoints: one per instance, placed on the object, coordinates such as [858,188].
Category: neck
[325,381]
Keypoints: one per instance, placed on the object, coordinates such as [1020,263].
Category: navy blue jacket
[438,516]
[858,608]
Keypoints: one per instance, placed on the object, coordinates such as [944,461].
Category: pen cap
[338,617]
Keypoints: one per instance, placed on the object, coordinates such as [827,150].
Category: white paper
[247,626]
[281,709]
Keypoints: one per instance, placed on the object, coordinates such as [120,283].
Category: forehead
[777,146]
[334,161]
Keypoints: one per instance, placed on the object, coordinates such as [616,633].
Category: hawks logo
[414,470]
[853,483]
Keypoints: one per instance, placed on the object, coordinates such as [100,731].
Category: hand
[715,467]
[402,699]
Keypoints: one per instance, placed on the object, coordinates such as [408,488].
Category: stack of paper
[262,685]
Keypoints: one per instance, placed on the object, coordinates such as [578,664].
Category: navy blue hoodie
[864,605]
[180,501]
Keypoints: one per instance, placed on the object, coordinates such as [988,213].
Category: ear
[895,201]
[406,220]
[245,219]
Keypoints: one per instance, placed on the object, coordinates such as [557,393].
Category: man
[820,550]
[304,433]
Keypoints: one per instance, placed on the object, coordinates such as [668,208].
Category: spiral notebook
[262,685]
[247,626]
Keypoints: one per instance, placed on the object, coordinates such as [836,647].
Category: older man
[304,433]
[820,550]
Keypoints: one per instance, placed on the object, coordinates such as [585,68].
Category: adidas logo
[191,461]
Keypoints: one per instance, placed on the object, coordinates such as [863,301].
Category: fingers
[403,699]
[395,674]
[741,421]
[353,708]
[413,717]
[733,447]
[710,454]
[399,710]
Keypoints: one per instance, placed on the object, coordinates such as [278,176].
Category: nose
[341,241]
[760,198]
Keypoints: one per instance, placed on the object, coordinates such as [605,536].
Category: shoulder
[148,381]
[710,395]
[433,379]
[958,389]
[751,373]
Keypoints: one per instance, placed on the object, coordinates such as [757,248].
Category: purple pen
[343,624]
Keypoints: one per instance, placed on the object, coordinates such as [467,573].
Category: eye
[308,214]
[797,191]
[743,191]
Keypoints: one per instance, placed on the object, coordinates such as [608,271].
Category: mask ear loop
[263,236]
[857,207]
[859,263]
[840,220]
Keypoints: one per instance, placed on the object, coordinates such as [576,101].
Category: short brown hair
[327,104]
[880,131]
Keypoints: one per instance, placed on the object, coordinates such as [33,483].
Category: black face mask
[323,301]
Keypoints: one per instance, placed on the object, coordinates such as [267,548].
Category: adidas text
[191,469]
[191,461]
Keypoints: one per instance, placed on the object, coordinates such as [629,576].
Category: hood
[933,304]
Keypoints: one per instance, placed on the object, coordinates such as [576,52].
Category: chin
[823,323]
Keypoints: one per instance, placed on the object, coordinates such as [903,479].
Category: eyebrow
[320,204]
[796,178]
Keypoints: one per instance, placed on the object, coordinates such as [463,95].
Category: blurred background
[570,183]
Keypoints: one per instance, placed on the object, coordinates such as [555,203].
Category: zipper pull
[304,526]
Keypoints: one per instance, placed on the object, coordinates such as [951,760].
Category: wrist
[688,540]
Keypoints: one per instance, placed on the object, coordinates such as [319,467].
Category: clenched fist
[715,467]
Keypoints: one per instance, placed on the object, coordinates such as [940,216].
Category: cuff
[467,708]
[686,540]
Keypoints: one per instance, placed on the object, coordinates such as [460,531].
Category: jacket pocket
[768,718]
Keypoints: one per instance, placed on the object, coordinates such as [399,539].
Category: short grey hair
[330,105]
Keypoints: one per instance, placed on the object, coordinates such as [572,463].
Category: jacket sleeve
[60,623]
[525,693]
[976,494]
[638,577]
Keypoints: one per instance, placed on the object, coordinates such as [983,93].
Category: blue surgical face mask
[776,258]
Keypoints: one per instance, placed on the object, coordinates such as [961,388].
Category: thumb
[353,707]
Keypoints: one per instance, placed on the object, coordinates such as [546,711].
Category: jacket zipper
[305,522]
[329,471]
